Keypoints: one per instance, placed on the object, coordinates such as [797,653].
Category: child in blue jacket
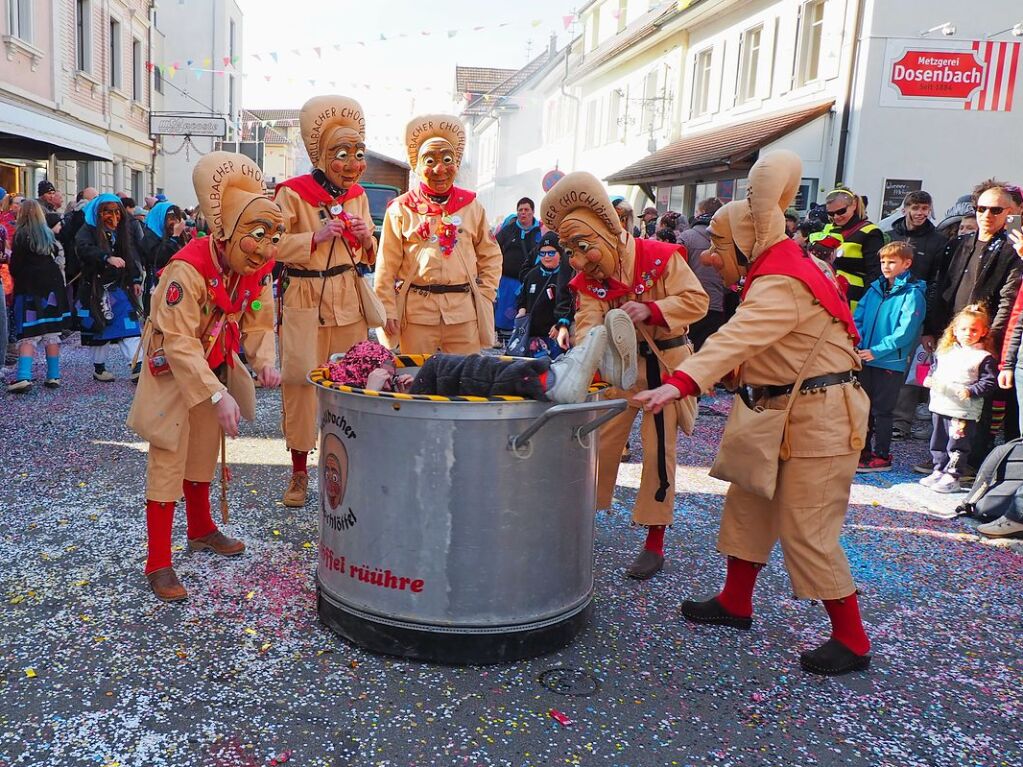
[889,318]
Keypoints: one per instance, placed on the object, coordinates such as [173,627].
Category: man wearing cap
[648,223]
[652,283]
[791,323]
[330,235]
[439,263]
[214,297]
[51,200]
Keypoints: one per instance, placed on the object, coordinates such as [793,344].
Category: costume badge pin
[456,220]
[335,209]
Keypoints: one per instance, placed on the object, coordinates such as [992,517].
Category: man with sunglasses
[983,268]
[859,262]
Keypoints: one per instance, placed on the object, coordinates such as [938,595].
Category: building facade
[75,95]
[202,43]
[673,102]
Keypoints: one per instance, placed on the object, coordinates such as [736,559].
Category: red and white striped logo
[1001,62]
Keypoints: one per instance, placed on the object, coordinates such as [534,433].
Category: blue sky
[392,78]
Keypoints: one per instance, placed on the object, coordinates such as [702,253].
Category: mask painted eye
[276,238]
[449,160]
[341,154]
[258,233]
[360,155]
[430,162]
[584,246]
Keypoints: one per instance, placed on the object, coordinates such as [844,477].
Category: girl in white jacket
[964,372]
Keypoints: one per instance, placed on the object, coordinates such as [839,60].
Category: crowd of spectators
[88,266]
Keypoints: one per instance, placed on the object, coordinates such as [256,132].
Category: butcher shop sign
[954,74]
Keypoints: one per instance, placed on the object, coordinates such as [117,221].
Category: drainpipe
[149,98]
[576,99]
[843,136]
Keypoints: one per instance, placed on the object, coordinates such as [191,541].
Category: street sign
[187,125]
[895,191]
[550,178]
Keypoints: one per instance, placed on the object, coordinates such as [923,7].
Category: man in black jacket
[984,268]
[929,251]
[518,239]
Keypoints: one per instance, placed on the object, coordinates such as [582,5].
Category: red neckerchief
[309,189]
[788,259]
[652,258]
[419,201]
[313,193]
[246,299]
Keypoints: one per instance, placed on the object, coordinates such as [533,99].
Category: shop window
[19,19]
[701,83]
[136,70]
[138,185]
[83,35]
[811,29]
[157,79]
[749,64]
[115,54]
[85,174]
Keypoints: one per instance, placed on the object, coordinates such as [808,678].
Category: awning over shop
[732,147]
[30,135]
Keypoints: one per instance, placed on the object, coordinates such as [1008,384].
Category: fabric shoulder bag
[755,439]
[372,307]
[685,408]
[485,320]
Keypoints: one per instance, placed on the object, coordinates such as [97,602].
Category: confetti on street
[95,671]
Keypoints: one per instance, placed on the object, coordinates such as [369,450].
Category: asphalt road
[94,671]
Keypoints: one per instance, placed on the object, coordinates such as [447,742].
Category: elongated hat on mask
[324,119]
[580,196]
[225,185]
[430,129]
[772,187]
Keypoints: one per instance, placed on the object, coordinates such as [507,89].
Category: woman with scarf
[108,302]
[547,299]
[164,236]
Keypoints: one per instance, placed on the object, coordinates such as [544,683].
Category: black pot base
[461,649]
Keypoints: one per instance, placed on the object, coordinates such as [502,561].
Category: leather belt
[332,272]
[663,344]
[463,288]
[809,385]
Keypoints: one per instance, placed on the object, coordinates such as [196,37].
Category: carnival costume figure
[330,238]
[214,298]
[791,326]
[439,263]
[661,297]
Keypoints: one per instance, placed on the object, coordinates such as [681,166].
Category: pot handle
[520,445]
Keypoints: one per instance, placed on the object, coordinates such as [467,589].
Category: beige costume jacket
[162,402]
[408,259]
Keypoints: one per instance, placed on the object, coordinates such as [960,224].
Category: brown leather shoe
[218,543]
[166,586]
[645,566]
[298,489]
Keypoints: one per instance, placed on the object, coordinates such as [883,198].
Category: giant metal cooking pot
[456,531]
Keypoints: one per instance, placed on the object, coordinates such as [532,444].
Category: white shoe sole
[621,345]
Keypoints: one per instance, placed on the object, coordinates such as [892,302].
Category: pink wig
[362,359]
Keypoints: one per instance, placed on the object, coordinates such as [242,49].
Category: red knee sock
[298,459]
[159,523]
[655,539]
[846,625]
[737,595]
[197,509]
